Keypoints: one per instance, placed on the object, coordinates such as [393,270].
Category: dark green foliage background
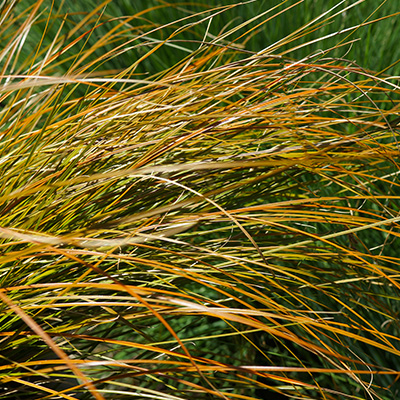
[376,47]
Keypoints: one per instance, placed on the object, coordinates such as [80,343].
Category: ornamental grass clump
[225,228]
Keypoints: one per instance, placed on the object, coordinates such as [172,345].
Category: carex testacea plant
[225,228]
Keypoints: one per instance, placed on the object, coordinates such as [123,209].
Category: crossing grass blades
[226,228]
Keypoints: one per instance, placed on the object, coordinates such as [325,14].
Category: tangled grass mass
[224,227]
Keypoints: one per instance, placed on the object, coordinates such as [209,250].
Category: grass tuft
[225,227]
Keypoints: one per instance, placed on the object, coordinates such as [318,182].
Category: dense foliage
[185,215]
